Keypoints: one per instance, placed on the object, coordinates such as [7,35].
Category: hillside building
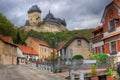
[43,49]
[77,45]
[8,51]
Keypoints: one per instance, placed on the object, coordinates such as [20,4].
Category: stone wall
[112,61]
[47,27]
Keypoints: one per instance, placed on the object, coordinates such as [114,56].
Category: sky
[79,14]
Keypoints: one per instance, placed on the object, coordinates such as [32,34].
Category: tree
[6,27]
[18,39]
[77,57]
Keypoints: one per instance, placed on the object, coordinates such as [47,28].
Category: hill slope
[60,36]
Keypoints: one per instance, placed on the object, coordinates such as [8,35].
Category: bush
[93,71]
[51,58]
[77,57]
[100,58]
[110,72]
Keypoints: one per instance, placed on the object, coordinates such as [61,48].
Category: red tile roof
[41,42]
[27,50]
[6,38]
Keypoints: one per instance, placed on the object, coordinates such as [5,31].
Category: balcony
[113,53]
[97,38]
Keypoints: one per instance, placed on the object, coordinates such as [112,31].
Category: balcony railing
[96,38]
[113,53]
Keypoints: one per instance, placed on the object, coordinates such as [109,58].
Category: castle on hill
[48,24]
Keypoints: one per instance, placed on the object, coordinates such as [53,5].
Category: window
[113,47]
[102,47]
[79,42]
[45,49]
[111,26]
[95,50]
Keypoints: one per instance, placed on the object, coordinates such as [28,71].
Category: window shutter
[63,54]
[118,45]
[99,49]
[67,56]
[106,47]
[71,53]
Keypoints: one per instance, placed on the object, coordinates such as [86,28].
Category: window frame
[96,50]
[79,42]
[111,26]
[112,46]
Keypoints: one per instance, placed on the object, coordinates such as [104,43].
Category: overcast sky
[79,14]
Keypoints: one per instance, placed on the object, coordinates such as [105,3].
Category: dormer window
[79,42]
[111,26]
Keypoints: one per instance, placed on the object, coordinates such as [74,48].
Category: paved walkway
[23,72]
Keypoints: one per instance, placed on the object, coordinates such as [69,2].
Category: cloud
[79,14]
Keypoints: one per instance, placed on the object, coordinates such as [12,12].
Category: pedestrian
[17,61]
[37,62]
[118,69]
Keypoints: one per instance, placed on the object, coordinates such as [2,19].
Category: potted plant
[110,74]
[94,75]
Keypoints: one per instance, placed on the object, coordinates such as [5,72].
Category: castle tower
[34,15]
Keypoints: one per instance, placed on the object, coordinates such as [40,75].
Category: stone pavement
[23,72]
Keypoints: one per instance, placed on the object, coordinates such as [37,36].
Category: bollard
[72,75]
[46,68]
[81,76]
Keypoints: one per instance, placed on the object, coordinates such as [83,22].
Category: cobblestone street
[23,72]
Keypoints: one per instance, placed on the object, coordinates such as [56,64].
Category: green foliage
[6,27]
[18,39]
[77,57]
[60,36]
[100,58]
[51,58]
[93,71]
[110,72]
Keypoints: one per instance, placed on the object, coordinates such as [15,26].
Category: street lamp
[53,46]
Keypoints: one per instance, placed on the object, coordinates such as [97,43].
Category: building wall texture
[79,49]
[42,50]
[8,54]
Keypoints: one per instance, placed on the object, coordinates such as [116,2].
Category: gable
[74,38]
[109,11]
[117,2]
[74,44]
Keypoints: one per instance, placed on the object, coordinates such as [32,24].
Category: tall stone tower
[34,15]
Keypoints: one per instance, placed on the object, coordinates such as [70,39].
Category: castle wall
[47,27]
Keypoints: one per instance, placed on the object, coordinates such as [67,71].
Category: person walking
[118,69]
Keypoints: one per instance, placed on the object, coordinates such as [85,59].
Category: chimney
[117,2]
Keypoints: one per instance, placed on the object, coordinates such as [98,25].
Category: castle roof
[50,18]
[34,8]
[27,23]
